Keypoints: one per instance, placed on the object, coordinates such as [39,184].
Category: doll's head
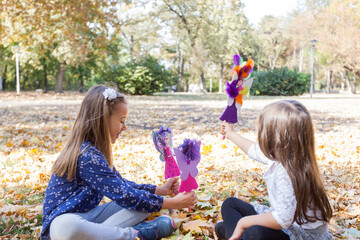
[162,139]
[191,150]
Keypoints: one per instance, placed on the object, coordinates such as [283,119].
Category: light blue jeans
[107,221]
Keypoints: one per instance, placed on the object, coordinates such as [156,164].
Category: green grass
[13,227]
[29,199]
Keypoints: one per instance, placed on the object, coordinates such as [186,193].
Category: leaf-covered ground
[33,129]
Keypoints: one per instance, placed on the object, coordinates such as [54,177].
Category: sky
[256,9]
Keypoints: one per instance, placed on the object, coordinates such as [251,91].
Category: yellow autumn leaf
[206,149]
[195,226]
[25,143]
[9,144]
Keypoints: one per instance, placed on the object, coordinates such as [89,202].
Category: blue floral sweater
[94,179]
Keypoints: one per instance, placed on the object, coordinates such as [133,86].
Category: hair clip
[110,94]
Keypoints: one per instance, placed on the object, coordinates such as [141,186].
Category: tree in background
[273,41]
[336,26]
[74,44]
[189,17]
[66,29]
[339,34]
[144,77]
[226,33]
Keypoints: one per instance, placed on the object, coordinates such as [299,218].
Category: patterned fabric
[283,202]
[171,168]
[95,179]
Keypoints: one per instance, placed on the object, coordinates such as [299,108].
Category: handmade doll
[188,157]
[238,87]
[163,144]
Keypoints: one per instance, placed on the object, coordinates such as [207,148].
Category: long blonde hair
[286,134]
[91,124]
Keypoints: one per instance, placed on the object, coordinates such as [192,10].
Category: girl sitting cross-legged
[299,208]
[84,172]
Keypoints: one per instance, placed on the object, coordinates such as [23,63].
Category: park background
[172,58]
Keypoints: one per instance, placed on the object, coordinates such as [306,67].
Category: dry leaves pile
[33,129]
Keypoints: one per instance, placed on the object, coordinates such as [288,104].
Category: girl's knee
[65,227]
[230,201]
[254,232]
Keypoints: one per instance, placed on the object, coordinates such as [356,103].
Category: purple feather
[231,89]
[236,60]
[191,149]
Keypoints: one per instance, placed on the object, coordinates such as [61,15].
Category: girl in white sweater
[299,208]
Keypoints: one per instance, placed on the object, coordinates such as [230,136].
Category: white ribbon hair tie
[110,94]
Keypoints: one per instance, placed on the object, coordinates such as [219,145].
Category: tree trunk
[301,51]
[26,78]
[202,76]
[4,78]
[82,88]
[180,70]
[294,56]
[131,48]
[1,83]
[328,82]
[221,77]
[353,85]
[45,77]
[276,57]
[270,63]
[347,77]
[186,84]
[331,80]
[342,82]
[37,80]
[60,78]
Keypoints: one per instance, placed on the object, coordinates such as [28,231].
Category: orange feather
[239,99]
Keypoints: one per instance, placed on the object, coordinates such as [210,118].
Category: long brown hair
[286,134]
[91,124]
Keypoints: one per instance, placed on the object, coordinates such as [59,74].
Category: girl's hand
[226,128]
[185,200]
[238,232]
[170,187]
[182,200]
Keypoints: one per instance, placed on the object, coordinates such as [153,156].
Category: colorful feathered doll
[188,157]
[163,144]
[238,87]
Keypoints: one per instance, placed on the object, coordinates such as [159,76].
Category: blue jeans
[107,221]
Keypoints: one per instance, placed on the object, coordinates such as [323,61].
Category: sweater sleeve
[256,154]
[96,172]
[147,187]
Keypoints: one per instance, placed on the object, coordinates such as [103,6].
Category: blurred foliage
[282,81]
[73,45]
[145,77]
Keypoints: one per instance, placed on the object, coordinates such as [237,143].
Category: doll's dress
[171,167]
[188,185]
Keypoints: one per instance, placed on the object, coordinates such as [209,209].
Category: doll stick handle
[223,138]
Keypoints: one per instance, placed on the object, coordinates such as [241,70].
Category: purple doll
[188,157]
[163,144]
